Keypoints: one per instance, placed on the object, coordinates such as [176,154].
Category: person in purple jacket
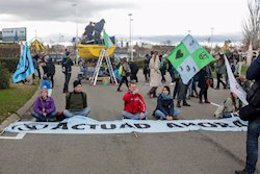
[44,109]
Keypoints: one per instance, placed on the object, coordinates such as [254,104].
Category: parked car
[56,57]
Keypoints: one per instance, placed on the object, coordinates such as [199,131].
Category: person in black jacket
[165,107]
[67,63]
[253,130]
[146,69]
[133,71]
[203,75]
[50,71]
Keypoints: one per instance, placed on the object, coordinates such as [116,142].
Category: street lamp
[131,35]
[76,39]
[211,38]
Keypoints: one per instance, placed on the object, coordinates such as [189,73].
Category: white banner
[83,125]
[235,87]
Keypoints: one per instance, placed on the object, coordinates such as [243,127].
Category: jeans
[160,115]
[66,83]
[131,116]
[253,133]
[42,118]
[182,91]
[84,112]
[171,72]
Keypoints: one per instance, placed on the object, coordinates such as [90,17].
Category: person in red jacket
[134,105]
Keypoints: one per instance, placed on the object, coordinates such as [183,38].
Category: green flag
[107,40]
[188,58]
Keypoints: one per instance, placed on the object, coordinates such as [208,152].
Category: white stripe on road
[215,104]
[17,137]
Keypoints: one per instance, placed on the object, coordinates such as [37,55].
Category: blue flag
[25,66]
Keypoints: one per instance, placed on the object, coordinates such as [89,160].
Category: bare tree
[251,27]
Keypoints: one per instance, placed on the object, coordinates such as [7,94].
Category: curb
[20,112]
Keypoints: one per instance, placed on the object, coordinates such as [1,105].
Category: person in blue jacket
[253,129]
[165,106]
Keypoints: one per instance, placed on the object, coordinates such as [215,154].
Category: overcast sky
[150,17]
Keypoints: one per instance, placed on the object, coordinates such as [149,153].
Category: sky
[57,18]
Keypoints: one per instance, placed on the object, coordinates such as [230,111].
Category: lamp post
[211,38]
[130,37]
[76,39]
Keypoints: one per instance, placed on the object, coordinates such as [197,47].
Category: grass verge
[14,98]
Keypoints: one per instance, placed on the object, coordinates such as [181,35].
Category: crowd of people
[155,68]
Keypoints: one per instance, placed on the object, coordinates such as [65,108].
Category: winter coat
[221,67]
[133,68]
[125,69]
[146,65]
[134,103]
[155,74]
[50,68]
[66,65]
[203,75]
[165,105]
[253,71]
[47,104]
[76,101]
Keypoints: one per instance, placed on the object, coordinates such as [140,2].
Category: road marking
[17,137]
[215,104]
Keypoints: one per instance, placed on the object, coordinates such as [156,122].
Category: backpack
[253,95]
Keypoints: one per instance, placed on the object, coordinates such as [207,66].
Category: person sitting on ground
[231,105]
[134,105]
[165,106]
[44,109]
[76,102]
[45,82]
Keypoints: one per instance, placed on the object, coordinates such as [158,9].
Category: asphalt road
[166,153]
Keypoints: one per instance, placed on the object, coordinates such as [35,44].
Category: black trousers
[204,92]
[51,79]
[124,80]
[134,77]
[220,81]
[152,92]
[66,83]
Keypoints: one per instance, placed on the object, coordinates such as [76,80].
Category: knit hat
[76,83]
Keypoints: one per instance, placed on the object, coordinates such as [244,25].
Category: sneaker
[201,102]
[186,104]
[119,90]
[207,102]
[179,104]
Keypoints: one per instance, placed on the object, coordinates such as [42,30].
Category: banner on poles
[188,58]
[83,125]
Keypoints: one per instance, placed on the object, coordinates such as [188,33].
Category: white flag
[234,85]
